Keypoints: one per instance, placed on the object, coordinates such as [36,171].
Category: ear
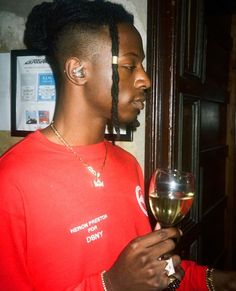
[75,71]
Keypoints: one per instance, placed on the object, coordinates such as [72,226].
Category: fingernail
[158,226]
[180,231]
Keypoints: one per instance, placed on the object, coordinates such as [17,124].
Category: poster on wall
[33,94]
[5,91]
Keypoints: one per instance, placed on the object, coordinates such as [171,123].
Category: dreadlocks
[63,27]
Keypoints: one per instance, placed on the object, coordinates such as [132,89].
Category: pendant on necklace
[98,182]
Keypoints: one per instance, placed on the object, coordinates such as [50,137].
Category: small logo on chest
[140,199]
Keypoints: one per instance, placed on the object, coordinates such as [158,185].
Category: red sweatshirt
[57,231]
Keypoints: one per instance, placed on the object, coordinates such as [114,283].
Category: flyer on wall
[35,93]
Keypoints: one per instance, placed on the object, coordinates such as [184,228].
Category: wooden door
[188,56]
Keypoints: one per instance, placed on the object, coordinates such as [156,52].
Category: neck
[76,134]
[78,127]
[76,119]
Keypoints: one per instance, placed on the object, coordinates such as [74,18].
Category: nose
[142,80]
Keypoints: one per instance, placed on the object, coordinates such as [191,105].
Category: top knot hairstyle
[62,28]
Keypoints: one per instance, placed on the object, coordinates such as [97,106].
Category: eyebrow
[134,55]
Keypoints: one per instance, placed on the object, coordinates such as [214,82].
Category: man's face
[133,79]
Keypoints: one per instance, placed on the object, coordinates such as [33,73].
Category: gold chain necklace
[97,181]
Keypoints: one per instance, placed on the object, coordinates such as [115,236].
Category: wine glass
[171,194]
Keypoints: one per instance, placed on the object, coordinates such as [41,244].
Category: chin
[134,123]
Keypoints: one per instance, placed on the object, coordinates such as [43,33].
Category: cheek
[99,97]
[127,112]
[102,82]
[124,101]
[126,93]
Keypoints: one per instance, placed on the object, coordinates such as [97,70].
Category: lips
[139,103]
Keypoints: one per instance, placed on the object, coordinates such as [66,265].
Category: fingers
[155,244]
[176,260]
[180,231]
[161,276]
[158,227]
[179,272]
[162,250]
[158,236]
[139,266]
[167,233]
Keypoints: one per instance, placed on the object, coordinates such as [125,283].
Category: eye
[129,67]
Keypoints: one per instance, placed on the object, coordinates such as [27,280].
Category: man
[70,210]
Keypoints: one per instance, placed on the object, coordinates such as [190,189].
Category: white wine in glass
[171,194]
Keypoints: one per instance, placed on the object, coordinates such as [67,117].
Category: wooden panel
[220,7]
[192,37]
[189,120]
[217,72]
[189,245]
[212,239]
[189,250]
[188,132]
[212,180]
[212,131]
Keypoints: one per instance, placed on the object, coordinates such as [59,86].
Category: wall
[12,18]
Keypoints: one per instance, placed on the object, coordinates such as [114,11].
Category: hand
[138,267]
[224,280]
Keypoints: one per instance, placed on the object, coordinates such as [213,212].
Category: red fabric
[56,228]
[195,277]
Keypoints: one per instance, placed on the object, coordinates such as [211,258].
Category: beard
[134,124]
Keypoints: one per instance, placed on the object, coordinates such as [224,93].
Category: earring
[79,72]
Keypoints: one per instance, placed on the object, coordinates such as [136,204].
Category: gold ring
[174,283]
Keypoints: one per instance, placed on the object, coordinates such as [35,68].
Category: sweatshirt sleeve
[91,283]
[194,278]
[13,265]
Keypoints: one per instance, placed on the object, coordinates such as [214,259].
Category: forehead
[130,41]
